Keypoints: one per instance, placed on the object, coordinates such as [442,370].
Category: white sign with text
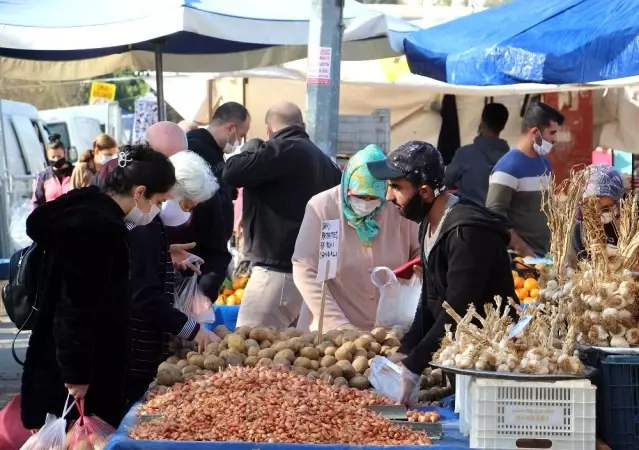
[328,250]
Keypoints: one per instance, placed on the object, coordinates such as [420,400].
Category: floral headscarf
[357,180]
[604,181]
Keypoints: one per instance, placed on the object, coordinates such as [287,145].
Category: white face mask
[172,214]
[606,217]
[231,146]
[103,159]
[139,218]
[542,149]
[363,207]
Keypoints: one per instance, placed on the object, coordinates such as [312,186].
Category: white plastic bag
[191,301]
[398,299]
[386,378]
[53,434]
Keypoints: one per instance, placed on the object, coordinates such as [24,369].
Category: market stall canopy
[75,39]
[566,42]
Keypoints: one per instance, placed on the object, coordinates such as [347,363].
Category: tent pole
[325,30]
[159,81]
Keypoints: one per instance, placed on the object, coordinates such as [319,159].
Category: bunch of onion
[483,343]
[609,311]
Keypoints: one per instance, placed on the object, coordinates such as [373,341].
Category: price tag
[519,326]
[531,416]
[328,250]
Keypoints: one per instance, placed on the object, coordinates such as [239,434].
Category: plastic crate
[224,315]
[618,402]
[507,414]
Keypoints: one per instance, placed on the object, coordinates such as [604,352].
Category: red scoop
[406,271]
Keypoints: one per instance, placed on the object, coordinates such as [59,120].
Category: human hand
[396,357]
[77,391]
[410,386]
[203,338]
[183,260]
[419,271]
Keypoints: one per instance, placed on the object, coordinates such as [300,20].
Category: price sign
[519,327]
[328,250]
[101,93]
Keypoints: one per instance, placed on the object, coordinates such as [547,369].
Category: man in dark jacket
[211,223]
[279,177]
[472,164]
[464,248]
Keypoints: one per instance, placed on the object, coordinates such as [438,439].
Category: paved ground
[10,371]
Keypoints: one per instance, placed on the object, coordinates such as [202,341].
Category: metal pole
[323,78]
[159,81]
[5,205]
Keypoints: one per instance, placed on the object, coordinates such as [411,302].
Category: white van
[78,126]
[23,139]
[76,133]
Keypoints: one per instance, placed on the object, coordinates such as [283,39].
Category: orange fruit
[515,274]
[530,284]
[239,293]
[231,300]
[522,293]
[534,293]
[528,300]
[238,283]
[228,291]
[519,282]
[220,300]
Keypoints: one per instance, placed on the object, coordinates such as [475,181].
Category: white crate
[508,414]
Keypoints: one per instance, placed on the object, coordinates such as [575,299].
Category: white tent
[76,39]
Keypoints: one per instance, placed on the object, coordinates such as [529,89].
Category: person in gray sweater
[472,164]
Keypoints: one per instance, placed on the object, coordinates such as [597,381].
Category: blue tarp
[552,42]
[453,440]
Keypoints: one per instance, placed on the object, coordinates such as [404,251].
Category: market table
[453,440]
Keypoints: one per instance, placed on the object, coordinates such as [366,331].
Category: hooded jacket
[471,166]
[468,264]
[80,334]
[211,222]
[279,177]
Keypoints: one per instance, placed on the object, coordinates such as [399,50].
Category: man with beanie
[464,250]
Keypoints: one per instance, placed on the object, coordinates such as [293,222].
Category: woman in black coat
[80,339]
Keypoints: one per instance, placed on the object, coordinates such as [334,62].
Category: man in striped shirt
[517,180]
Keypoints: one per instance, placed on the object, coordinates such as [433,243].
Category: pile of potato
[342,358]
[268,404]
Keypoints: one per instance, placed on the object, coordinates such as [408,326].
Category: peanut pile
[268,404]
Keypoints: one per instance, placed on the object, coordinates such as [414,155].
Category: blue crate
[224,315]
[618,402]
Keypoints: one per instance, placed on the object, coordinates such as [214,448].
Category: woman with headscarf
[606,184]
[372,234]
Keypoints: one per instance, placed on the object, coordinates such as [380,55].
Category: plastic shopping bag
[398,299]
[389,378]
[191,301]
[88,432]
[53,434]
[12,434]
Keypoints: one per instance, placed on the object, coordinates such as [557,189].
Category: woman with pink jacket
[372,234]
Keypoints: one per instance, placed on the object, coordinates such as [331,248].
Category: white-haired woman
[153,276]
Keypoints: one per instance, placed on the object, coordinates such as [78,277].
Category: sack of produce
[397,299]
[389,378]
[52,435]
[88,432]
[191,301]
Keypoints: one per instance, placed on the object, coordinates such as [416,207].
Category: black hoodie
[81,331]
[468,264]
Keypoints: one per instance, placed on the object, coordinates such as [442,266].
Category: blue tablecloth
[453,440]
